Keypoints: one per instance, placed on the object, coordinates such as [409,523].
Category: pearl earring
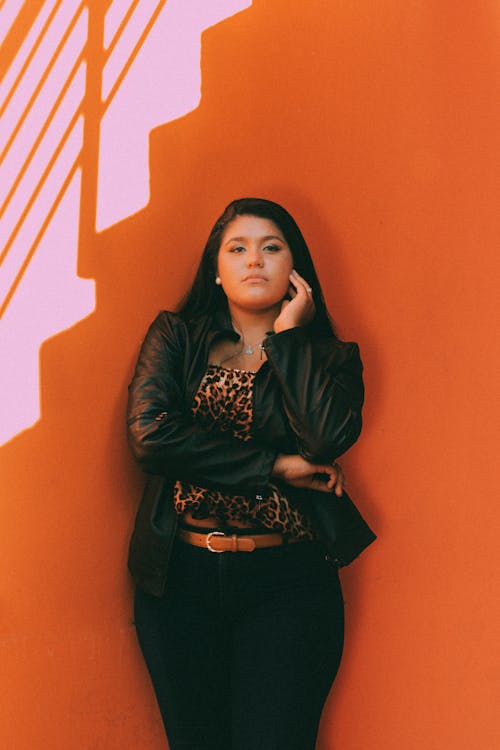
[218,280]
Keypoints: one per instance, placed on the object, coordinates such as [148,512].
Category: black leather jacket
[307,399]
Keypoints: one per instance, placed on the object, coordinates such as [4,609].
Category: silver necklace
[249,349]
[246,349]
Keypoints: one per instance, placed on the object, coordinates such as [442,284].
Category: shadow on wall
[80,94]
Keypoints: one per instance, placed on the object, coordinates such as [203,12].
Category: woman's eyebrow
[263,239]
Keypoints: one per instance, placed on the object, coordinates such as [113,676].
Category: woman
[239,405]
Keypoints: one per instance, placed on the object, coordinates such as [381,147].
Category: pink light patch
[151,76]
[50,299]
[41,139]
[162,83]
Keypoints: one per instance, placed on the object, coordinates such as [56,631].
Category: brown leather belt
[217,541]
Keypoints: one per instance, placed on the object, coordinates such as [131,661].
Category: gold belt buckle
[209,546]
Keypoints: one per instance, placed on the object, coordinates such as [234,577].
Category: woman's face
[254,264]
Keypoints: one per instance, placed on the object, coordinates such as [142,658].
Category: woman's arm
[297,472]
[162,434]
[322,389]
[321,381]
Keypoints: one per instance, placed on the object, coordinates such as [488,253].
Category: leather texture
[307,399]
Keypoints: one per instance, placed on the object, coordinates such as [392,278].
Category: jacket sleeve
[162,434]
[322,391]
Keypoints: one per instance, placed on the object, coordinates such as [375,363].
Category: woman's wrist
[277,470]
[280,327]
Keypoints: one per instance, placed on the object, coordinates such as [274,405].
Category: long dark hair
[205,297]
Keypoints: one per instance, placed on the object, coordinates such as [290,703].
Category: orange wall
[377,125]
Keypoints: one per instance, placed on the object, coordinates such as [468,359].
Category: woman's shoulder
[167,325]
[168,319]
[341,350]
[333,342]
[173,326]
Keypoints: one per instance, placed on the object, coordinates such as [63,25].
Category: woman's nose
[254,257]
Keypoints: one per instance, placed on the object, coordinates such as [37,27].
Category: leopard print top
[224,402]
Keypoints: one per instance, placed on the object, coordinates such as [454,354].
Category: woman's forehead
[248,226]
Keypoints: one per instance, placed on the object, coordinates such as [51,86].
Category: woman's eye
[272,248]
[236,249]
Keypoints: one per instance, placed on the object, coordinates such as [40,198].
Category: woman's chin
[256,303]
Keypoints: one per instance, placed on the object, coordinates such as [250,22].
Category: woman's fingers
[301,309]
[335,481]
[296,471]
[340,480]
[304,292]
[318,484]
[301,285]
[298,279]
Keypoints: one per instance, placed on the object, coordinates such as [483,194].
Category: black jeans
[243,648]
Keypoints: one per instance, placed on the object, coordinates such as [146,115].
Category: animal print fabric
[224,402]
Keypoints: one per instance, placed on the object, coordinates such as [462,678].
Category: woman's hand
[300,309]
[295,470]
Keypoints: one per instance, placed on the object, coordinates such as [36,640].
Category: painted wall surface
[377,125]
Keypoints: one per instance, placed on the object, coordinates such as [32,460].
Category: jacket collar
[221,324]
[211,327]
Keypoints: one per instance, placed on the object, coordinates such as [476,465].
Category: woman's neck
[253,325]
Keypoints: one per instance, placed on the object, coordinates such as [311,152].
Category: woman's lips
[254,277]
